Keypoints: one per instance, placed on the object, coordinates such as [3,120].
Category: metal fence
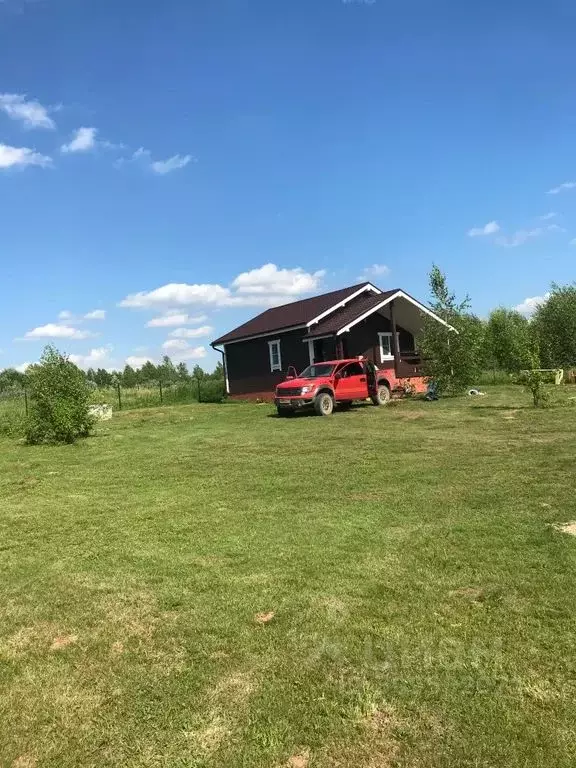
[158,393]
[14,402]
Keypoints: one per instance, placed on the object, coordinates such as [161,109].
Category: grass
[423,604]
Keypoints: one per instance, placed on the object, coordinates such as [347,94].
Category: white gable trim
[397,295]
[367,287]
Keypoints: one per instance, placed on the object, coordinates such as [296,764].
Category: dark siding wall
[363,339]
[248,362]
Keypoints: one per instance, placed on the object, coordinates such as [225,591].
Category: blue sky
[237,153]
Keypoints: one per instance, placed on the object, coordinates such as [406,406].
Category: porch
[384,331]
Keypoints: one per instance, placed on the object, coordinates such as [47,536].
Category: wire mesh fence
[159,393]
[14,401]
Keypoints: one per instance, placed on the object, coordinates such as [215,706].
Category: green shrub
[212,391]
[59,400]
[535,383]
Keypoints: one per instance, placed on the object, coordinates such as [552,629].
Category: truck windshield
[315,371]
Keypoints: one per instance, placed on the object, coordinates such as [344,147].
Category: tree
[103,378]
[509,340]
[91,375]
[59,399]
[10,378]
[218,372]
[167,371]
[129,377]
[182,372]
[148,372]
[555,328]
[198,373]
[451,351]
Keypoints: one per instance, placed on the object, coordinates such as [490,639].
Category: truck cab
[321,386]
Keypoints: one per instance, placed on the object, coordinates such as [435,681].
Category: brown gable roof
[288,315]
[340,319]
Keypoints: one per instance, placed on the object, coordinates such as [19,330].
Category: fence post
[119,396]
[25,401]
[161,398]
[199,392]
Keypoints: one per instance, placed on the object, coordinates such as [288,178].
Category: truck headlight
[307,388]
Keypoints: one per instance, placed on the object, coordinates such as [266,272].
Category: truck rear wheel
[382,396]
[324,404]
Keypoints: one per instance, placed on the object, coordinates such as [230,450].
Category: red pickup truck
[322,385]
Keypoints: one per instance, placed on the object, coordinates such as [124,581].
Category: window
[352,369]
[386,351]
[275,359]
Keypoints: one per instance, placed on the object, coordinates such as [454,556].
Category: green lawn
[424,606]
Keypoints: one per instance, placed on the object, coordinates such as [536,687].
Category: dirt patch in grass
[264,618]
[25,761]
[569,528]
[63,641]
[300,760]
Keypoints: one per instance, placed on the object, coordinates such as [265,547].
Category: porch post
[311,351]
[339,349]
[395,346]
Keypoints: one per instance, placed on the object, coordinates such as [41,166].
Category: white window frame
[381,334]
[271,345]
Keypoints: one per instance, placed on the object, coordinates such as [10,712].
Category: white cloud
[22,367]
[94,358]
[180,294]
[531,304]
[191,333]
[192,353]
[161,167]
[374,272]
[54,331]
[572,242]
[488,229]
[96,314]
[521,236]
[271,280]
[20,157]
[266,286]
[548,216]
[136,361]
[560,187]
[65,315]
[175,344]
[174,317]
[84,140]
[173,163]
[31,113]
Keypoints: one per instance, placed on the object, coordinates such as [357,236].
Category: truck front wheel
[324,404]
[382,396]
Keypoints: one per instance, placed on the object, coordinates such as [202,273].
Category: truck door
[351,383]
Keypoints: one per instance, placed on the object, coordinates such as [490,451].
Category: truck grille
[288,392]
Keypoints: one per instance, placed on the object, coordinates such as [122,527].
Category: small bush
[59,400]
[212,391]
[535,383]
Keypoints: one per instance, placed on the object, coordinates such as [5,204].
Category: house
[361,320]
